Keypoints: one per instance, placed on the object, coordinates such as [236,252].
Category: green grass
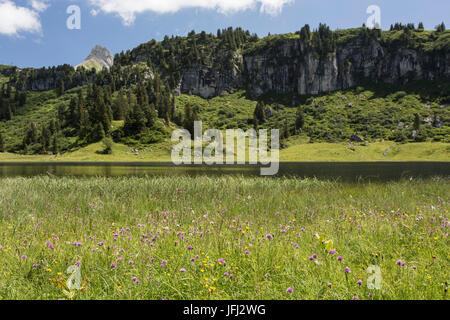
[367,224]
[296,150]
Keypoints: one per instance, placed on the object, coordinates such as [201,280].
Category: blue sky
[33,33]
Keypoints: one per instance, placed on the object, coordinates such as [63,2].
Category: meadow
[222,238]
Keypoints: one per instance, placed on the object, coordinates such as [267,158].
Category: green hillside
[382,116]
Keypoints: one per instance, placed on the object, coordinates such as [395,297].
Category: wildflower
[231,276]
[340,259]
[269,236]
[247,252]
[50,245]
[182,270]
[314,256]
[359,282]
[35,265]
[113,266]
[101,243]
[222,262]
[289,290]
[135,280]
[226,274]
[189,247]
[267,275]
[355,298]
[131,262]
[400,263]
[332,251]
[347,270]
[24,256]
[78,263]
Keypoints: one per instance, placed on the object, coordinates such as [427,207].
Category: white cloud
[14,19]
[127,10]
[39,6]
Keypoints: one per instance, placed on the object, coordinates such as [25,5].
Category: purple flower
[340,258]
[131,262]
[24,256]
[289,290]
[113,266]
[267,275]
[226,274]
[247,252]
[189,247]
[101,243]
[400,263]
[231,276]
[35,265]
[182,270]
[359,282]
[347,270]
[50,245]
[78,263]
[355,298]
[222,262]
[135,280]
[314,256]
[269,236]
[332,251]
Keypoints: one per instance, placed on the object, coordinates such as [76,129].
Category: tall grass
[132,238]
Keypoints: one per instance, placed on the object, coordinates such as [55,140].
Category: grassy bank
[296,150]
[253,238]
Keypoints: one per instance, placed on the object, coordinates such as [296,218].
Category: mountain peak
[99,58]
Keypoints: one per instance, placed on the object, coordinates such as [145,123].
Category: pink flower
[289,290]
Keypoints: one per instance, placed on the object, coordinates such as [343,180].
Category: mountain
[307,62]
[369,85]
[99,58]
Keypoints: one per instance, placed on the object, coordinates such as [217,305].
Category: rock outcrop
[99,58]
[290,68]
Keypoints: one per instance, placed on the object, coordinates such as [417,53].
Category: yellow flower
[202,270]
[49,270]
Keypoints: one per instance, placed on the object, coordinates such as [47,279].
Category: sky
[35,33]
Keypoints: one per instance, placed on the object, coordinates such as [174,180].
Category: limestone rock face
[99,58]
[290,68]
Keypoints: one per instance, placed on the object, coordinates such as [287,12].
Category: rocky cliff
[292,68]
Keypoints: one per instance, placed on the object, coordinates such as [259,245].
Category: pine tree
[300,120]
[2,144]
[421,27]
[55,147]
[417,122]
[286,131]
[441,27]
[259,114]
[60,89]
